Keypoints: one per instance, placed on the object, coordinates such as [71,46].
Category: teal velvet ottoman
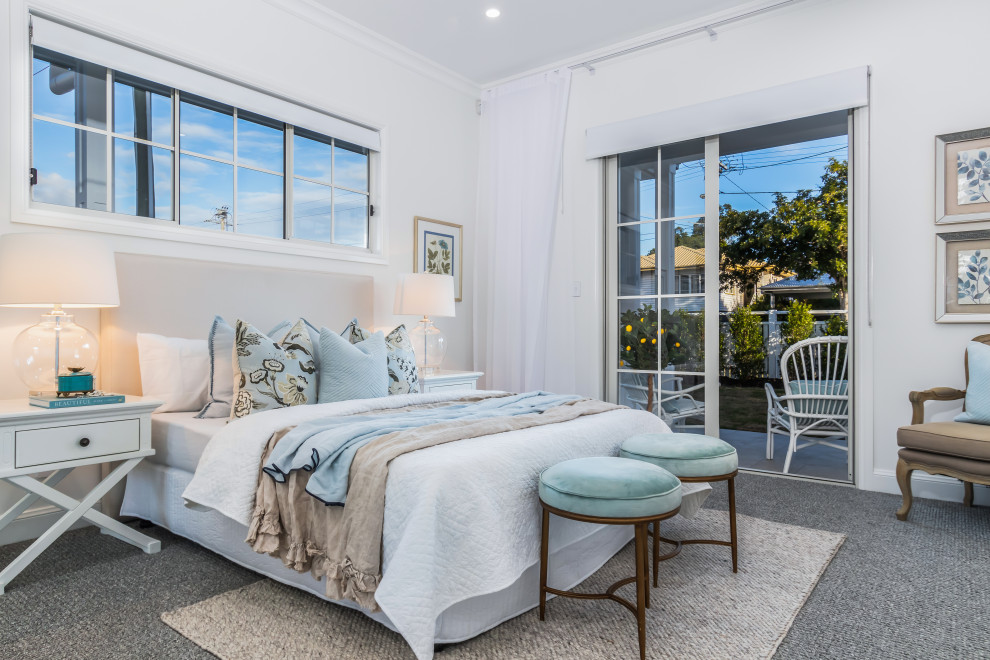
[691,458]
[607,490]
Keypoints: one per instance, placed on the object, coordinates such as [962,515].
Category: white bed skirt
[154,493]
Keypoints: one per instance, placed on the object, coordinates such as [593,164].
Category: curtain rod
[708,28]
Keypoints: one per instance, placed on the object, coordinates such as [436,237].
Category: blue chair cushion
[820,406]
[683,454]
[610,487]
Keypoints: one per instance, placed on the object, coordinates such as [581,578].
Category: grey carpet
[919,589]
[700,610]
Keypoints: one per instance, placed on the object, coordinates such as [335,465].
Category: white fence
[772,336]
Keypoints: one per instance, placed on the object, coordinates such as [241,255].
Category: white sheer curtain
[522,138]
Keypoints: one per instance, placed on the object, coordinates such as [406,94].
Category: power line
[746,193]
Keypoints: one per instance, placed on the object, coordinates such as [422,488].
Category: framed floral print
[962,176]
[962,262]
[438,248]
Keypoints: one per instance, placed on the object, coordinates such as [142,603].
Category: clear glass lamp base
[430,346]
[52,346]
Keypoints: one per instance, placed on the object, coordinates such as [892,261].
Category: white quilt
[461,519]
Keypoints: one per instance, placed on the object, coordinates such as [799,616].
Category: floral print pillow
[403,378]
[271,374]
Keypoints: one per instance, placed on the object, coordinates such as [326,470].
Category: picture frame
[962,176]
[962,277]
[438,247]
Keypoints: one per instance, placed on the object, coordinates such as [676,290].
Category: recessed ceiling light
[493,13]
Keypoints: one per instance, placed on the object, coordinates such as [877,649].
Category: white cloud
[53,188]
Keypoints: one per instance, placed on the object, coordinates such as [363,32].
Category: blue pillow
[978,390]
[352,371]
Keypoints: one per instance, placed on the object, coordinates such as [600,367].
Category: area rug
[700,610]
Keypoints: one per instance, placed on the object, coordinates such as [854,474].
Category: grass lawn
[743,408]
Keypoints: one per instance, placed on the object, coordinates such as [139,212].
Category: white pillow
[174,370]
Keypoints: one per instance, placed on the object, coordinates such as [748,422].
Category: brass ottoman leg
[544,556]
[656,553]
[732,524]
[904,481]
[642,587]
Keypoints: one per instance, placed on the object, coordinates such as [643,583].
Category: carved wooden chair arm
[934,394]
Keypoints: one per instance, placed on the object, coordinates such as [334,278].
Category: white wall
[428,118]
[920,88]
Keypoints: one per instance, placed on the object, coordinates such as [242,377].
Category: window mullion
[287,134]
[233,222]
[333,192]
[111,202]
[175,157]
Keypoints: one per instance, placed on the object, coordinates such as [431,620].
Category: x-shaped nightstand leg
[28,500]
[74,510]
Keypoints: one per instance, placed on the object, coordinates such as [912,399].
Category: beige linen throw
[344,544]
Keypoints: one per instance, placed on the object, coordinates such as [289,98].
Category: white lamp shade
[43,270]
[425,294]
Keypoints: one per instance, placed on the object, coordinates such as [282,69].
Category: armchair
[953,449]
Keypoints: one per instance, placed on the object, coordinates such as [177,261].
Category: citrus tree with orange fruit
[638,343]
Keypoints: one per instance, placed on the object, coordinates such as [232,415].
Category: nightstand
[35,440]
[450,381]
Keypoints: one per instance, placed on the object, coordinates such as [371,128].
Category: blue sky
[748,182]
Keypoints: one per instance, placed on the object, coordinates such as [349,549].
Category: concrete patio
[819,462]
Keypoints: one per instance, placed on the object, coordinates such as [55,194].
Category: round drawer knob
[84,442]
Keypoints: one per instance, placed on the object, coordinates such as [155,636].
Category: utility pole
[220,217]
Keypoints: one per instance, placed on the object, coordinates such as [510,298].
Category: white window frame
[23,210]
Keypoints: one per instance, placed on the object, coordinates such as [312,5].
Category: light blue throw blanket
[326,447]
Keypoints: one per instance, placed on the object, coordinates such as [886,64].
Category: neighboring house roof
[684,257]
[791,284]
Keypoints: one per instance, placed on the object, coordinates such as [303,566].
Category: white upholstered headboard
[180,297]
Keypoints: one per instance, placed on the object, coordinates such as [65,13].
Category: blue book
[52,401]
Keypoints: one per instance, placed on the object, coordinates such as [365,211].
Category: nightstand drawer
[76,441]
[452,387]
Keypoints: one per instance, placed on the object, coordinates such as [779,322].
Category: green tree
[806,235]
[748,350]
[696,239]
[799,324]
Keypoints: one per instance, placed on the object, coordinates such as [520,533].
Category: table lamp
[426,294]
[55,272]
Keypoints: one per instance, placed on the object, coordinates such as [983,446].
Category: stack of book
[74,400]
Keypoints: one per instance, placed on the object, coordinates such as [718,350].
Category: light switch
[576,289]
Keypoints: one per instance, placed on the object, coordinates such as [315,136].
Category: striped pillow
[352,371]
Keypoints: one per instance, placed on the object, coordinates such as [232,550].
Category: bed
[461,525]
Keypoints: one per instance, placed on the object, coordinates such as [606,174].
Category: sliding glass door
[721,253]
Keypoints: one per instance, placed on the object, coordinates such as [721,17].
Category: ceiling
[530,33]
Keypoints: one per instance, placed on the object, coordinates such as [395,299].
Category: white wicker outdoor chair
[672,402]
[816,398]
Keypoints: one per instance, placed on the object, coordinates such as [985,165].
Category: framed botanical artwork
[438,248]
[962,263]
[962,176]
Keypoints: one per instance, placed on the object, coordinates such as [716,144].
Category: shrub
[748,349]
[799,324]
[837,326]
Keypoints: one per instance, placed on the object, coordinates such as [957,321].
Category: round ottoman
[607,490]
[691,458]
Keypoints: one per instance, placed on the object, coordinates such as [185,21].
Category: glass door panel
[682,257]
[682,179]
[784,243]
[638,259]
